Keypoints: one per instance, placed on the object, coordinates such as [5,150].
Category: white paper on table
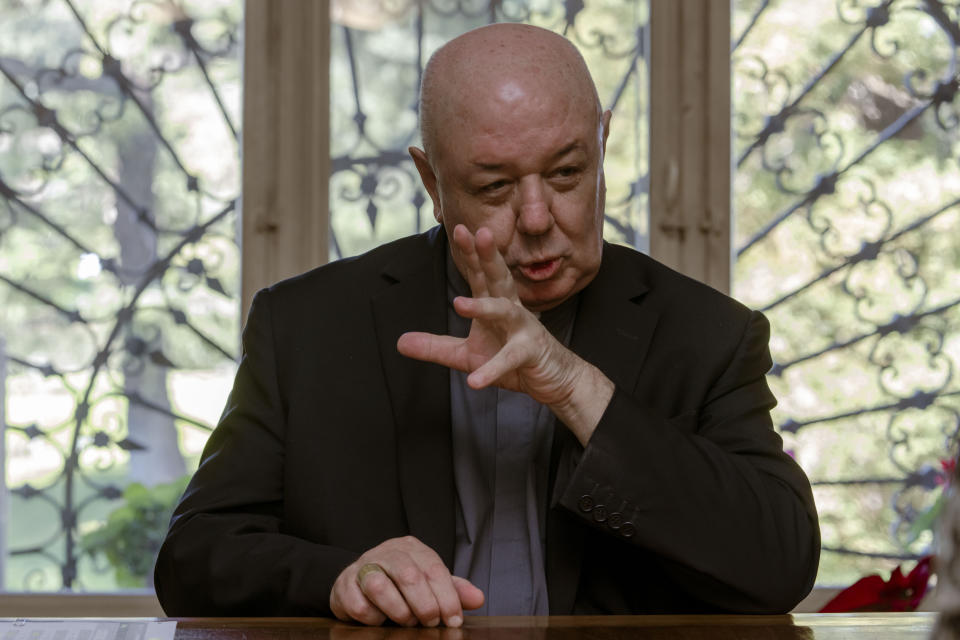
[86,629]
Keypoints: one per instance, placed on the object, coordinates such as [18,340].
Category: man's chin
[542,298]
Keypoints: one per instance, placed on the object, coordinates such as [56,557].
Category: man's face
[527,166]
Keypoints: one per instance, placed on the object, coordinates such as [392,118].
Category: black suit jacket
[332,442]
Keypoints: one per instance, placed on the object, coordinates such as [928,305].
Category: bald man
[504,415]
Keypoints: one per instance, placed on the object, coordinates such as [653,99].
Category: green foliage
[927,520]
[133,532]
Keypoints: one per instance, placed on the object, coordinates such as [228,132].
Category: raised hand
[508,346]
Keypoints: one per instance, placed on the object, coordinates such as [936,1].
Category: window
[158,273]
[119,274]
[119,265]
[845,192]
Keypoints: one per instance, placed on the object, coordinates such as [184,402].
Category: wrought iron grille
[846,197]
[118,259]
[378,52]
[101,170]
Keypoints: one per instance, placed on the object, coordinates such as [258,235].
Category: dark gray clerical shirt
[501,459]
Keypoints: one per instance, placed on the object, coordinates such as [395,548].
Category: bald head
[513,65]
[515,139]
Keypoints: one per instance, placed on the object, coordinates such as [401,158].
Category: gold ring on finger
[367,569]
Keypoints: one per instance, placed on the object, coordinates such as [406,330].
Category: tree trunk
[160,461]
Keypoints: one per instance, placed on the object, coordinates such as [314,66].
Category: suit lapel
[612,331]
[613,328]
[420,393]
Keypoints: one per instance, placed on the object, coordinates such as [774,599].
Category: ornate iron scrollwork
[120,256]
[866,314]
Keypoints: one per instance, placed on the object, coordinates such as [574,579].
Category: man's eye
[494,186]
[566,172]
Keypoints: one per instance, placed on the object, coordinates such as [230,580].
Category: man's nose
[534,217]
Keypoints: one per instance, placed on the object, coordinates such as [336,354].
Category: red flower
[949,468]
[872,593]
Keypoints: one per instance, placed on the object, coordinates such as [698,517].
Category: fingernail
[433,622]
[454,621]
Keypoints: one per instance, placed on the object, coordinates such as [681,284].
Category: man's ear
[429,179]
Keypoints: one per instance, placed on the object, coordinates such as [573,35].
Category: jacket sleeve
[226,552]
[710,491]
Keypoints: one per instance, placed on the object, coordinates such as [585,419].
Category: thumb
[470,596]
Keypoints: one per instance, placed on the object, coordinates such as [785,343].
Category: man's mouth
[538,271]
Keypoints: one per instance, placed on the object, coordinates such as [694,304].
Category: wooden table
[819,626]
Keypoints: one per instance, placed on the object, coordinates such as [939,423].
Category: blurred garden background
[120,269]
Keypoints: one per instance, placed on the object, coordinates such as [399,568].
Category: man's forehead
[509,73]
[487,134]
[511,106]
[493,163]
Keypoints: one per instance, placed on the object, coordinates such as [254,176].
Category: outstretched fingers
[444,350]
[496,310]
[465,245]
[503,335]
[499,280]
[506,361]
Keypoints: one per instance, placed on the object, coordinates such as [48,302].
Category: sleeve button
[599,513]
[585,504]
[627,530]
[615,520]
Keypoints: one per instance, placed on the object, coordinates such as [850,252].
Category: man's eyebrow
[497,166]
[487,166]
[573,146]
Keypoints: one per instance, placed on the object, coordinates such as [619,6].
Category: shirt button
[615,520]
[599,513]
[627,530]
[585,503]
